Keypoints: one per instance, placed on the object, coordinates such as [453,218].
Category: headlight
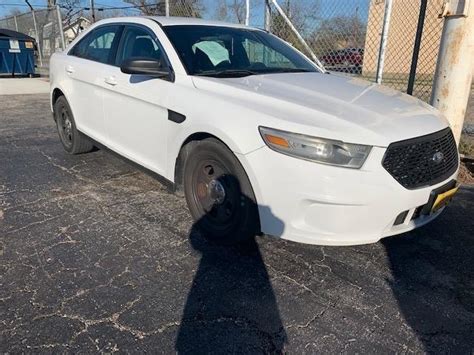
[320,150]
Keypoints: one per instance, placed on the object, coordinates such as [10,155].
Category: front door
[135,106]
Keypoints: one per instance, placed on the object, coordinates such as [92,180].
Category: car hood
[329,106]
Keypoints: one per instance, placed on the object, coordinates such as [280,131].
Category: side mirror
[146,66]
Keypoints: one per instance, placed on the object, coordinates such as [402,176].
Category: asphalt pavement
[97,256]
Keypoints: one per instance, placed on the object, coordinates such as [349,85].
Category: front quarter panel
[213,114]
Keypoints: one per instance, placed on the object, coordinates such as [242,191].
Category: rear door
[136,114]
[86,65]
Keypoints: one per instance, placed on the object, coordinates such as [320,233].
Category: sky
[327,8]
[7,5]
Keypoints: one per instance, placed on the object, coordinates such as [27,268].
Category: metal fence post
[454,69]
[247,12]
[61,31]
[383,41]
[16,23]
[416,48]
[40,54]
[92,7]
[297,34]
[167,8]
[267,15]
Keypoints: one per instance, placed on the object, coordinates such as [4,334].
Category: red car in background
[348,57]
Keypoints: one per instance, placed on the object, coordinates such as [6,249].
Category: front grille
[422,161]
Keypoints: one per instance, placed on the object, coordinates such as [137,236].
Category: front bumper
[314,203]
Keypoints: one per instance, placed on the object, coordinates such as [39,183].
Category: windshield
[233,52]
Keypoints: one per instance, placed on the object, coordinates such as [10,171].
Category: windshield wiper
[289,70]
[239,73]
[228,73]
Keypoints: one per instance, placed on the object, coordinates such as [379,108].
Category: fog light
[401,218]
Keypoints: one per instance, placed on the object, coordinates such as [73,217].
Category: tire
[219,194]
[73,141]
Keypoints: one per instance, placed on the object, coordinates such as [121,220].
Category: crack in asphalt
[95,256]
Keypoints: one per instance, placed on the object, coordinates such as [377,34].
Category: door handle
[111,80]
[69,69]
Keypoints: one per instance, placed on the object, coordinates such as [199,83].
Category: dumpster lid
[14,34]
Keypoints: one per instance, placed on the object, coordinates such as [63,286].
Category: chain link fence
[432,30]
[43,25]
[401,44]
[334,30]
[186,8]
[344,35]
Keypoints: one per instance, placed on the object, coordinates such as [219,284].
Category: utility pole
[92,6]
[455,66]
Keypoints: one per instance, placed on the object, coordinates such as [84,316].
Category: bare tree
[337,33]
[14,12]
[191,8]
[231,10]
[69,10]
[149,7]
[108,13]
[301,14]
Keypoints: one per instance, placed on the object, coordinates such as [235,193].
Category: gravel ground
[96,256]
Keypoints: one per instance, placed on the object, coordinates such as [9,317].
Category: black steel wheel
[219,194]
[73,141]
[65,127]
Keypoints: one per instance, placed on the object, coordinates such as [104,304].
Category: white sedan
[258,138]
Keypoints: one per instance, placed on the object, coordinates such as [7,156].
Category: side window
[97,45]
[138,42]
[259,54]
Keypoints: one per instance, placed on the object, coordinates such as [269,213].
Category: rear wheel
[73,141]
[219,194]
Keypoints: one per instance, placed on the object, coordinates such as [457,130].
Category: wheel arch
[183,153]
[180,143]
[55,95]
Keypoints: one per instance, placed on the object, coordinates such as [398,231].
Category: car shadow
[433,278]
[231,306]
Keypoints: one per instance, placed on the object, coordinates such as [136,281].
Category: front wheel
[219,194]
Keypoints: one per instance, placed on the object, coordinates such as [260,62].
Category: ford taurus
[257,137]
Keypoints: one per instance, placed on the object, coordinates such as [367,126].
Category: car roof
[174,21]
